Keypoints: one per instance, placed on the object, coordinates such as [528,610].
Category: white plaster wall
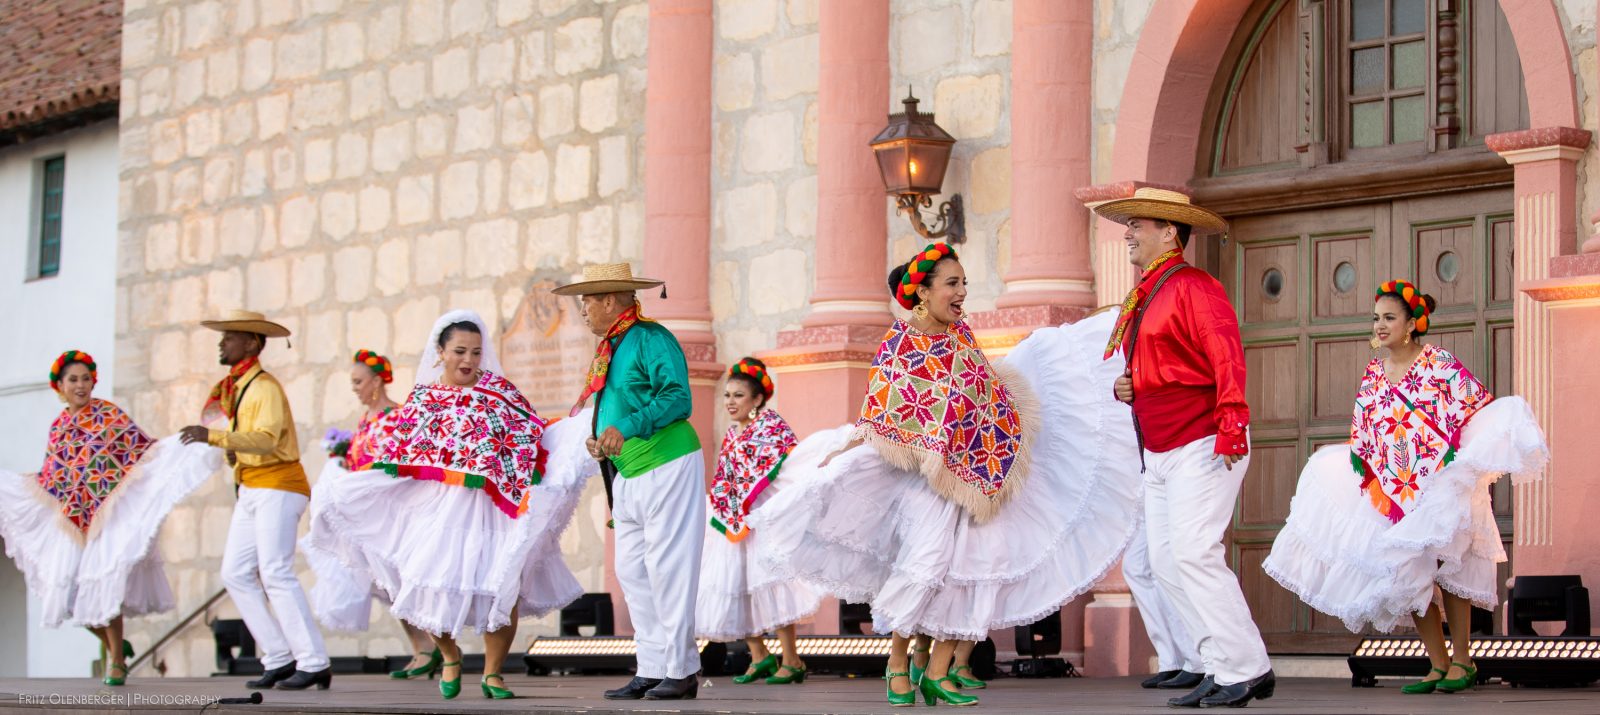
[74,309]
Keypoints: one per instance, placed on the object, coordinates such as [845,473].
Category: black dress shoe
[302,680]
[634,690]
[1239,695]
[675,689]
[271,678]
[1157,679]
[1206,687]
[1184,680]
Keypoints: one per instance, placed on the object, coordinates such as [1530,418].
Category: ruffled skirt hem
[1343,558]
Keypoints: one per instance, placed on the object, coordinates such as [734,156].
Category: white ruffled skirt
[1343,558]
[115,570]
[870,533]
[739,595]
[445,556]
[342,596]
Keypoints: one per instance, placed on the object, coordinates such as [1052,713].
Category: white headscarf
[431,368]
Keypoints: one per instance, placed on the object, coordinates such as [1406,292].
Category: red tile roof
[59,61]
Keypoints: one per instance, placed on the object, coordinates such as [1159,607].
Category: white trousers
[258,569]
[1189,496]
[660,519]
[1175,650]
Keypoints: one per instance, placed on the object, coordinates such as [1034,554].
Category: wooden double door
[1303,284]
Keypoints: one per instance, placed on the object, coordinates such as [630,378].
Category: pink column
[1546,524]
[822,367]
[852,228]
[677,195]
[677,203]
[1051,62]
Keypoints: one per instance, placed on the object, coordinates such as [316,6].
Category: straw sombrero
[245,321]
[1150,202]
[606,278]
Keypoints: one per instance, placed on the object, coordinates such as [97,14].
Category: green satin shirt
[647,399]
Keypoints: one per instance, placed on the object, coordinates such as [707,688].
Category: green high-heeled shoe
[112,679]
[450,688]
[965,682]
[796,676]
[1465,682]
[761,669]
[934,693]
[898,700]
[1423,687]
[493,693]
[127,649]
[430,669]
[916,672]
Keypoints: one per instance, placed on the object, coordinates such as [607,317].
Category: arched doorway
[1346,150]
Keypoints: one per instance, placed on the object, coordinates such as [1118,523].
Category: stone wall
[353,169]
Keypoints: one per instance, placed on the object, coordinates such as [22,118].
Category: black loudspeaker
[590,609]
[853,618]
[1041,642]
[1549,598]
[229,634]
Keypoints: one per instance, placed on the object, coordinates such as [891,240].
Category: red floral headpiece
[753,370]
[67,358]
[1413,298]
[920,266]
[379,364]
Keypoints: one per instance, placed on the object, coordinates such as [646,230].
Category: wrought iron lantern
[913,153]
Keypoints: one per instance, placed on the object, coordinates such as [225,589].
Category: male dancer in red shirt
[1185,381]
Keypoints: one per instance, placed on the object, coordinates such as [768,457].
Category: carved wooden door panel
[1302,284]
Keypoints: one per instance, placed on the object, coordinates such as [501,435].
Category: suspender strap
[1133,339]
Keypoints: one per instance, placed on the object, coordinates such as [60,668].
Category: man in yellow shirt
[258,561]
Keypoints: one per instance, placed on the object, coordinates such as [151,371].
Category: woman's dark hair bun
[464,325]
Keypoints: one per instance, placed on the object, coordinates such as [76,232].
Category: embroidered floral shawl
[87,455]
[934,404]
[747,463]
[368,439]
[480,437]
[1403,434]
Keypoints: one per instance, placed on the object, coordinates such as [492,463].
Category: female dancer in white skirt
[459,521]
[1380,525]
[985,496]
[738,598]
[82,530]
[342,599]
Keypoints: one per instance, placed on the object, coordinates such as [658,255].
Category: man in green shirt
[655,473]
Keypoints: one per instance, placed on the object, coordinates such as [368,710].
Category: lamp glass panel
[892,166]
[926,165]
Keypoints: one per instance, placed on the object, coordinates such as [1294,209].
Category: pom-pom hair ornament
[67,358]
[1415,301]
[379,364]
[754,371]
[918,269]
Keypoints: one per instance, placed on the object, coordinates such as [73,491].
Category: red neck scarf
[1137,296]
[224,395]
[602,356]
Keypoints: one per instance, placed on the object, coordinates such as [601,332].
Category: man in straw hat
[1185,381]
[258,561]
[650,458]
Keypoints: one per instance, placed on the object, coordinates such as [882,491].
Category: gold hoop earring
[752,414]
[920,311]
[438,361]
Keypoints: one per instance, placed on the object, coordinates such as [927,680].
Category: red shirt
[1188,367]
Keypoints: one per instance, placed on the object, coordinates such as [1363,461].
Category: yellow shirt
[263,448]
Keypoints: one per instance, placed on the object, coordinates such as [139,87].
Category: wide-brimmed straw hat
[245,321]
[606,278]
[1150,202]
